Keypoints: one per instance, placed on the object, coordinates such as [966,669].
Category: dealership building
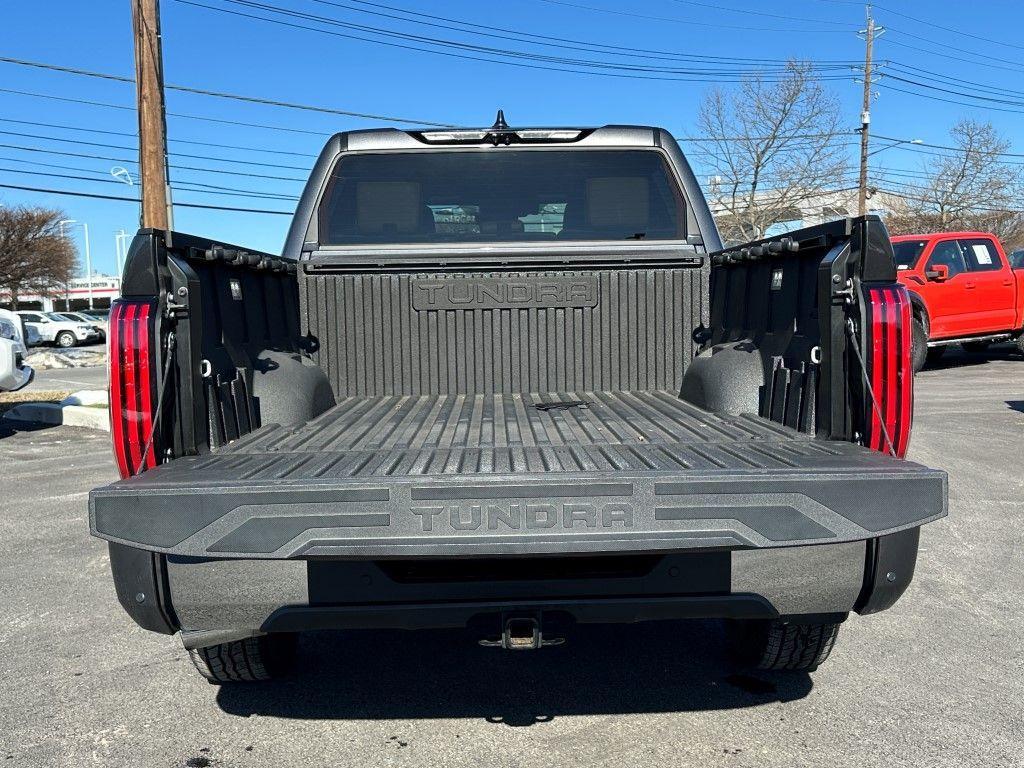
[80,293]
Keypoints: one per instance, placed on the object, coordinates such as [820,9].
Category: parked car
[14,374]
[99,314]
[55,329]
[963,290]
[83,317]
[433,412]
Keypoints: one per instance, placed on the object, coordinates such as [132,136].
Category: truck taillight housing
[132,384]
[889,338]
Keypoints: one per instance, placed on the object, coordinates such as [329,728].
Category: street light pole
[121,248]
[67,290]
[88,262]
[88,255]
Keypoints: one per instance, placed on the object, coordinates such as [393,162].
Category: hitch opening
[521,633]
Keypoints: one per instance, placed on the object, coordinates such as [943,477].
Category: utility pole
[149,94]
[865,115]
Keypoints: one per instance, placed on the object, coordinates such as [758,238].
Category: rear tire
[253,659]
[919,345]
[66,340]
[776,644]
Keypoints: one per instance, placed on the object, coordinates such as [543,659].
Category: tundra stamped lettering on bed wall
[504,293]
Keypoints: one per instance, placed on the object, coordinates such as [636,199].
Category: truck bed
[484,474]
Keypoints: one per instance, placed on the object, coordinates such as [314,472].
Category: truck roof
[607,135]
[935,235]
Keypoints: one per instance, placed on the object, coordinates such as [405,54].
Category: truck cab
[963,289]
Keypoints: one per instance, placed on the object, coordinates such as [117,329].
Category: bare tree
[34,255]
[969,188]
[772,145]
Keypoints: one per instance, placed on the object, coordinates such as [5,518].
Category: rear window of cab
[507,195]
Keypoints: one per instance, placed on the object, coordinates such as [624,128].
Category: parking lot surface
[74,379]
[936,681]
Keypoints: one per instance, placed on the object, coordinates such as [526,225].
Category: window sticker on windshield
[981,254]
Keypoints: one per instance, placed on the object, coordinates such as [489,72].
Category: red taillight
[132,382]
[889,361]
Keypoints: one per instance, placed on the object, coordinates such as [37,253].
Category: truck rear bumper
[217,600]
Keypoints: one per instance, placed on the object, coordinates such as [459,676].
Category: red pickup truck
[963,290]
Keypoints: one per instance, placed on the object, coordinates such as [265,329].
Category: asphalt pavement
[74,379]
[936,681]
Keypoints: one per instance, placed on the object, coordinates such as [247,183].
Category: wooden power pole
[149,94]
[865,117]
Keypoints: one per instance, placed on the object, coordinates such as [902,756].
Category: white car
[59,330]
[14,374]
[81,317]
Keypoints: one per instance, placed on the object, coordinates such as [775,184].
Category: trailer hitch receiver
[521,632]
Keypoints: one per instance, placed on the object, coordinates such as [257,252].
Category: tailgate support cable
[159,399]
[851,331]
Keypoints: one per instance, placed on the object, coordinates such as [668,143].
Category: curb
[77,410]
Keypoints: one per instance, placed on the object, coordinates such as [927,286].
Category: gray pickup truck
[510,380]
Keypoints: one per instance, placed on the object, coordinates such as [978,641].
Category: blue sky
[214,50]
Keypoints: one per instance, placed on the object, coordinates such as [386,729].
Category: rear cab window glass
[506,195]
[981,255]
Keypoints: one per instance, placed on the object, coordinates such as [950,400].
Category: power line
[992,99]
[522,59]
[954,149]
[134,135]
[748,11]
[182,186]
[108,105]
[105,175]
[173,166]
[924,39]
[961,56]
[223,95]
[947,101]
[71,193]
[945,79]
[489,30]
[958,32]
[687,22]
[173,154]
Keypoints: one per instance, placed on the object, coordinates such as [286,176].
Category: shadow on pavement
[655,667]
[1015,405]
[955,357]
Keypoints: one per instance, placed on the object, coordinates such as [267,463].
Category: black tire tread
[919,350]
[250,660]
[797,646]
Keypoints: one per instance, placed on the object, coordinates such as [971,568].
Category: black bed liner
[456,475]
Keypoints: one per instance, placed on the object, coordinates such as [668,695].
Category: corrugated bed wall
[445,333]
